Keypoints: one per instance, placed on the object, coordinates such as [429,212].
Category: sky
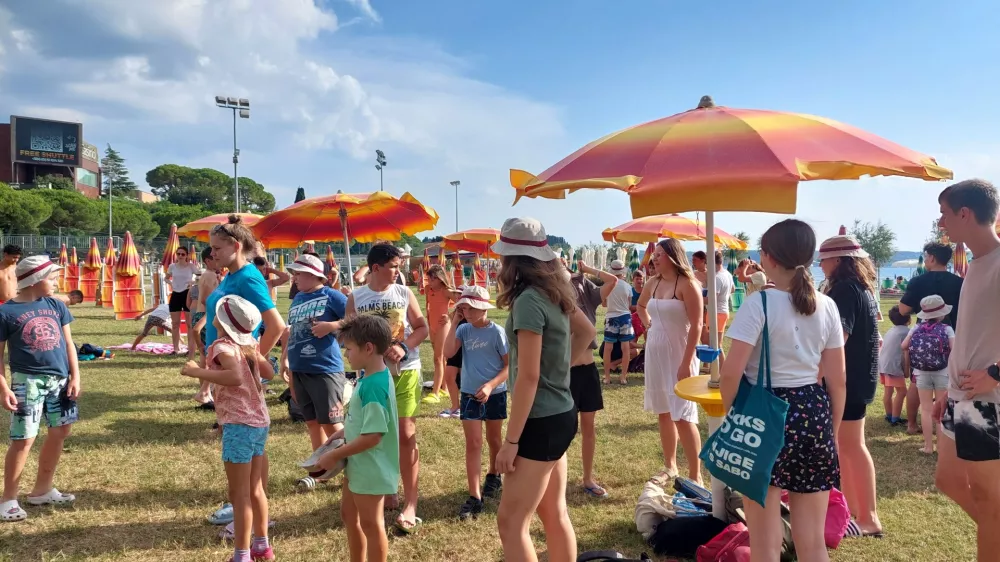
[459,90]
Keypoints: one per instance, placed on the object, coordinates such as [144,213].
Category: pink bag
[731,545]
[838,516]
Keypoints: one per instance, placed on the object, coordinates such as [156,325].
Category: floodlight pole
[242,107]
[455,184]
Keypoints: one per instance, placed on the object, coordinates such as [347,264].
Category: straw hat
[308,264]
[524,237]
[477,297]
[932,307]
[841,246]
[34,269]
[617,267]
[239,318]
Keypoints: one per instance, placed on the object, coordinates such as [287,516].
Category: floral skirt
[808,462]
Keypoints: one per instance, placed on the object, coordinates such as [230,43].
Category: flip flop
[52,497]
[10,511]
[596,491]
[853,531]
[401,525]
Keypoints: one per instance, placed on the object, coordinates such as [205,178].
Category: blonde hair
[436,271]
[675,253]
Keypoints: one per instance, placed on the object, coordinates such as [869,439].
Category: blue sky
[465,90]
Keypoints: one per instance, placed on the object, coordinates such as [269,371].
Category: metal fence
[50,244]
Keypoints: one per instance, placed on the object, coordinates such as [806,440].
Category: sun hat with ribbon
[524,237]
[841,246]
[308,264]
[617,267]
[477,297]
[933,306]
[34,269]
[239,318]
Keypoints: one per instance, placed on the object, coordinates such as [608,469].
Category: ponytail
[803,291]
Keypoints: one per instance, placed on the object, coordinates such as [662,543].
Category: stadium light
[380,164]
[240,107]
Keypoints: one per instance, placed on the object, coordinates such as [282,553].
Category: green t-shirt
[533,311]
[372,409]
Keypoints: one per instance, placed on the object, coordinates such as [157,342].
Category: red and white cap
[476,297]
[524,237]
[34,269]
[841,246]
[308,264]
[239,319]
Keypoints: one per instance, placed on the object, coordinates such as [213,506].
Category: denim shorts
[495,407]
[241,443]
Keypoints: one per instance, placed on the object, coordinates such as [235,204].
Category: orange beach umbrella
[109,254]
[170,250]
[201,229]
[715,158]
[93,256]
[651,229]
[63,255]
[129,264]
[476,240]
[360,217]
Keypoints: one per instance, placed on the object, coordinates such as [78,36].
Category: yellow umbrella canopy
[651,229]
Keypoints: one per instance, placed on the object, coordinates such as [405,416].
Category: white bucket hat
[239,318]
[34,269]
[617,267]
[308,264]
[524,237]
[841,247]
[933,306]
[477,297]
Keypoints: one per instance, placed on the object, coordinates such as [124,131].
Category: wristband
[406,350]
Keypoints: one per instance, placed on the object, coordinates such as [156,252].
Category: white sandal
[52,497]
[11,511]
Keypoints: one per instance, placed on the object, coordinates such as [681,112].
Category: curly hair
[551,278]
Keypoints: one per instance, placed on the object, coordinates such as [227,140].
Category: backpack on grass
[930,347]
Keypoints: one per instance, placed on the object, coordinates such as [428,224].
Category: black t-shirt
[945,284]
[858,316]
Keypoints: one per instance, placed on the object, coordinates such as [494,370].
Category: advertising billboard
[40,141]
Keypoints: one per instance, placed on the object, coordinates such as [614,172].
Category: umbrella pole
[713,319]
[347,246]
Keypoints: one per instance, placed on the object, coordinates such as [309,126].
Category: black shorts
[585,385]
[494,409]
[320,396]
[547,439]
[455,360]
[808,462]
[974,427]
[178,302]
[854,411]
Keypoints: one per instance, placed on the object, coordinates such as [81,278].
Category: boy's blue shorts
[240,443]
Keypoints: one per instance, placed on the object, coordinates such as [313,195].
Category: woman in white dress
[670,308]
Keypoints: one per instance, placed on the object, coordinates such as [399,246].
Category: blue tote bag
[742,452]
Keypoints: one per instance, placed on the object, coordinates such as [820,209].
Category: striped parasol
[63,256]
[93,256]
[647,258]
[201,229]
[651,229]
[476,240]
[73,259]
[109,254]
[961,260]
[129,264]
[170,250]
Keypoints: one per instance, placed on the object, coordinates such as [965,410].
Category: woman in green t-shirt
[546,332]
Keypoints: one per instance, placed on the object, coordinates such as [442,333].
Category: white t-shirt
[162,312]
[619,299]
[723,288]
[392,305]
[756,282]
[182,276]
[890,357]
[797,341]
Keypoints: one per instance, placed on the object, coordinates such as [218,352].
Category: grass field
[146,470]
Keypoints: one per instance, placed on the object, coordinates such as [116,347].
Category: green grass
[146,470]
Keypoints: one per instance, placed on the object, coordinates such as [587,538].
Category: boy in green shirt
[372,435]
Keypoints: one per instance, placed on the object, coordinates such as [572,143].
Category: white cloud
[365,7]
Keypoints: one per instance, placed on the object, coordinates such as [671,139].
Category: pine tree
[116,174]
[300,194]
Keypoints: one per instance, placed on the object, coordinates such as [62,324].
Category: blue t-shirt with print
[483,350]
[247,283]
[34,335]
[306,352]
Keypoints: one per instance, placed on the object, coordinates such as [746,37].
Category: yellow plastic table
[696,389]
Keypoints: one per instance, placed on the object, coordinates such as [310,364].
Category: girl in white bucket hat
[235,366]
[546,332]
[929,344]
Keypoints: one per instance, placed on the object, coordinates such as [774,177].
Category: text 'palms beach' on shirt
[390,304]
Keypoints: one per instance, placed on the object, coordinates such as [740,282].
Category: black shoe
[492,487]
[470,509]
